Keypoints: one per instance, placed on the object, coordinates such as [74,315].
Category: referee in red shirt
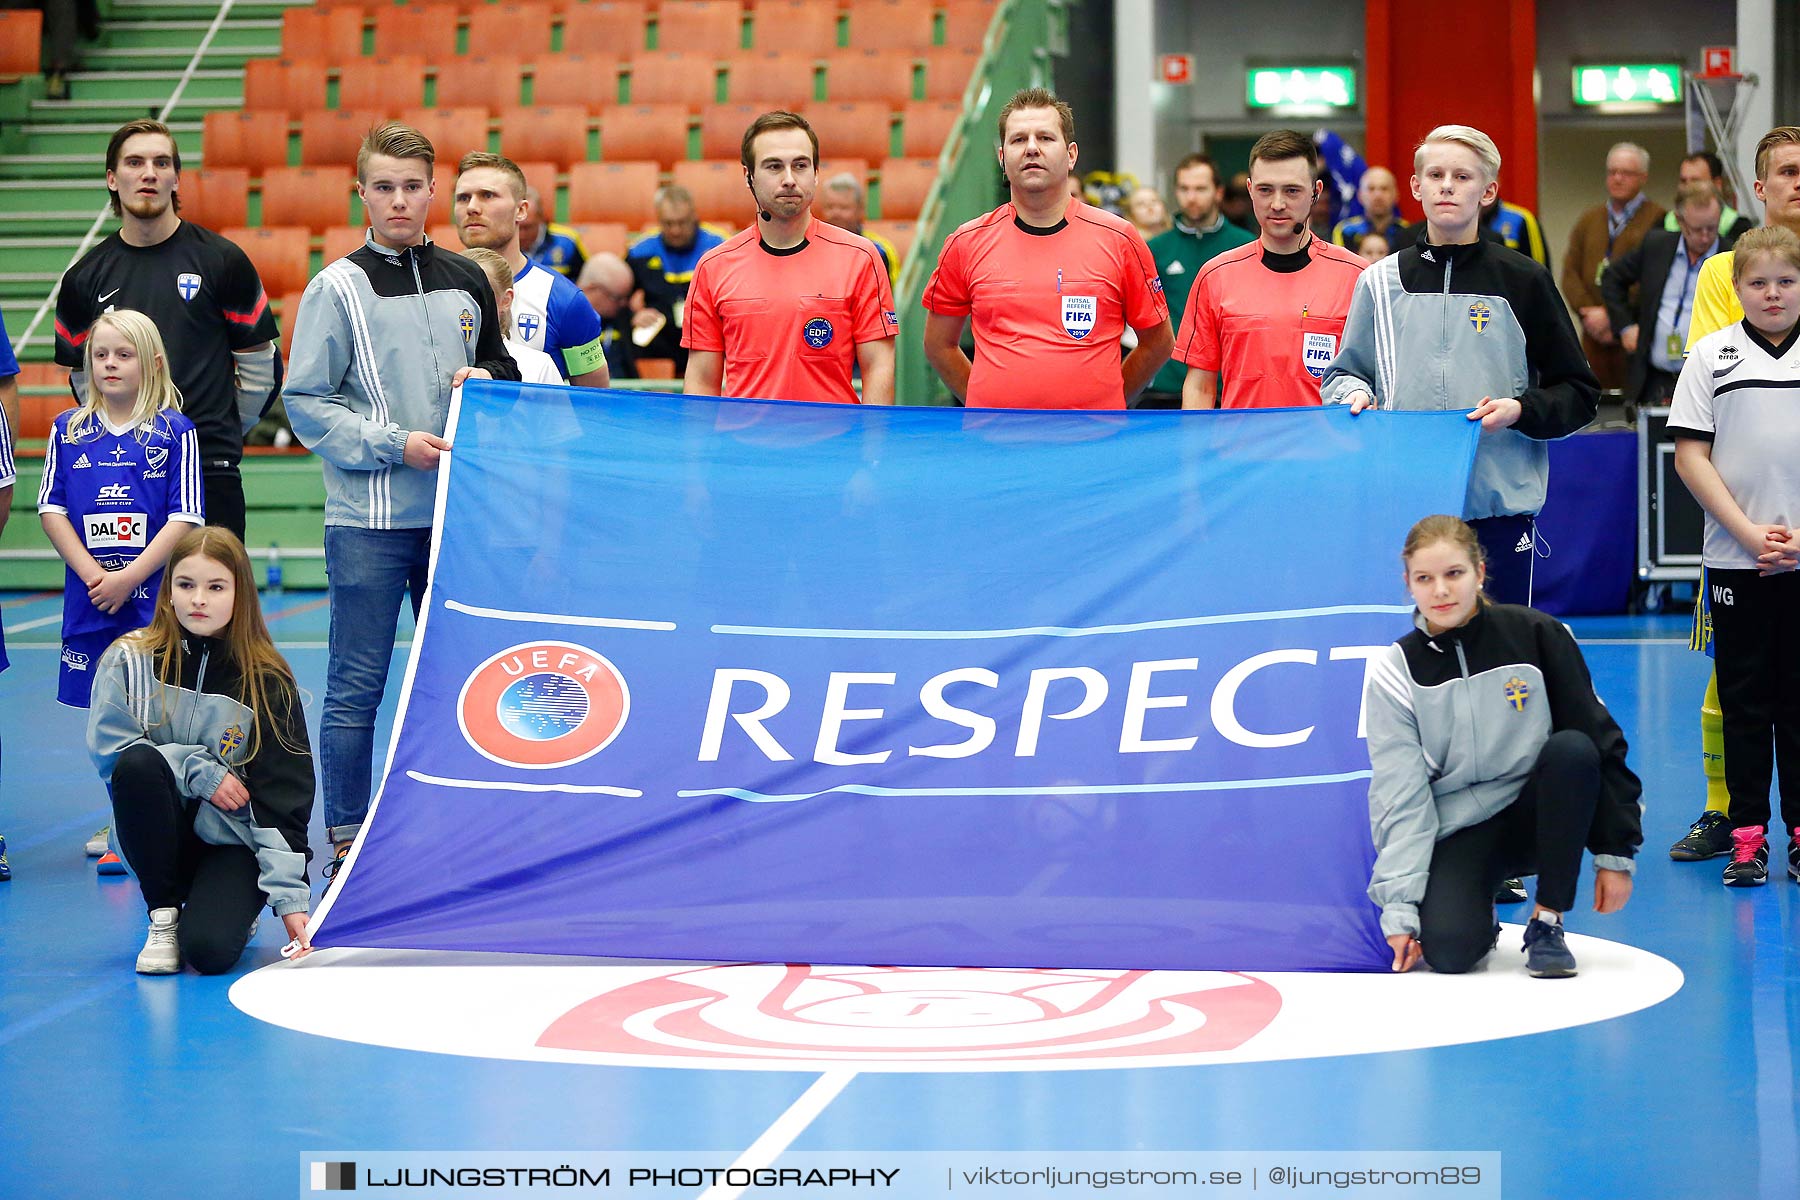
[785,310]
[1269,316]
[1051,283]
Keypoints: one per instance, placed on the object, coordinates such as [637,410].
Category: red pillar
[1430,64]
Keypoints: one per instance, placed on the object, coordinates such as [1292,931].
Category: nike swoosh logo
[109,295]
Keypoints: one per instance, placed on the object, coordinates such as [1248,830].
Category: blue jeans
[368,571]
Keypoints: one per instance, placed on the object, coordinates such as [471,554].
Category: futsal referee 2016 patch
[817,333]
[1079,314]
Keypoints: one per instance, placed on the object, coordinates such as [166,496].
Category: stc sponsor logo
[542,704]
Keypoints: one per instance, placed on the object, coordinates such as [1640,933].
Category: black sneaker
[1708,837]
[1749,865]
[1546,953]
[331,869]
[1510,891]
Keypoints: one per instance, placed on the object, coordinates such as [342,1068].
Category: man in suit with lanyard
[1665,271]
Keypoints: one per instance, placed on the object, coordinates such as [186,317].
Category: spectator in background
[1605,232]
[1264,320]
[1077,191]
[1200,234]
[663,266]
[1510,225]
[550,313]
[1650,293]
[1148,212]
[1322,219]
[606,282]
[1236,203]
[1378,192]
[1705,167]
[198,289]
[1371,247]
[841,204]
[551,246]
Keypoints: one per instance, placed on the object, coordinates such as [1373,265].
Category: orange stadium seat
[541,174]
[869,75]
[325,34]
[966,21]
[384,85]
[673,78]
[21,33]
[453,132]
[316,197]
[614,28]
[613,191]
[719,192]
[509,28]
[796,27]
[605,237]
[340,240]
[244,139]
[279,254]
[287,314]
[216,197]
[331,139]
[490,81]
[283,85]
[703,27]
[590,80]
[558,133]
[947,71]
[901,233]
[904,183]
[855,129]
[770,79]
[722,128]
[890,25]
[446,236]
[644,132]
[925,125]
[831,166]
[427,29]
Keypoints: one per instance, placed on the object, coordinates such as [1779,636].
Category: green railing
[1017,54]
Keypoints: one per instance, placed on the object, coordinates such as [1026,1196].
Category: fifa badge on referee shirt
[1316,352]
[1078,315]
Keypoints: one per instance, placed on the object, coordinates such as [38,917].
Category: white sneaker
[99,842]
[161,954]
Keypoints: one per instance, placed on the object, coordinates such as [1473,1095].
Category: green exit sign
[1300,87]
[1628,83]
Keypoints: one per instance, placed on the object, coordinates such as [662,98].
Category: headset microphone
[762,212]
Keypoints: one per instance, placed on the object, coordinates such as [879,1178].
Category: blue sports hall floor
[1666,1069]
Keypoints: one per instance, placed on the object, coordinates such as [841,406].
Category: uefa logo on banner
[542,704]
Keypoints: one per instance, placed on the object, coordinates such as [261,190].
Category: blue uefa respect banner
[763,681]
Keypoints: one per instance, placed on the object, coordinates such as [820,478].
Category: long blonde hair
[156,390]
[263,672]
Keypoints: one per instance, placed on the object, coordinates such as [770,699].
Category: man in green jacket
[1200,233]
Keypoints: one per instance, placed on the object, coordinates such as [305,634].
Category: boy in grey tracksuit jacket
[1435,328]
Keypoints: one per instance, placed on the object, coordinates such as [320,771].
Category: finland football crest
[528,327]
[188,284]
[818,333]
[1079,314]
